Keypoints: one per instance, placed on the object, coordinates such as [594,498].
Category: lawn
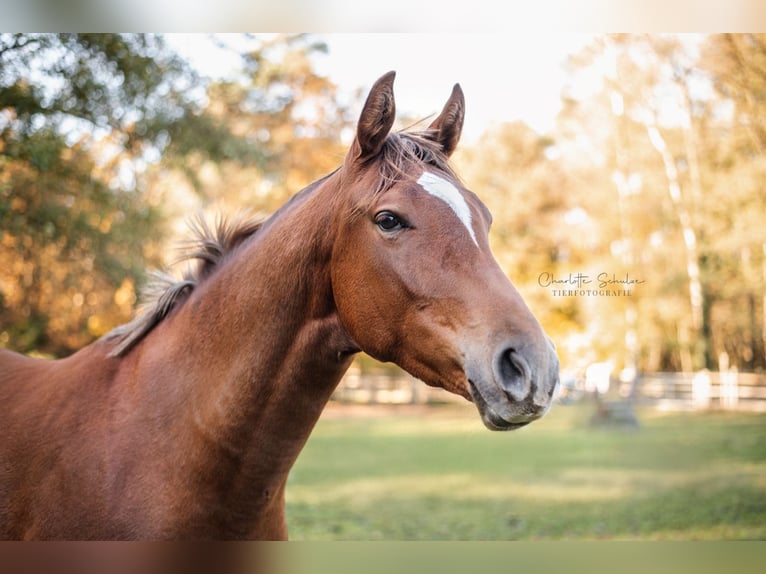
[435,473]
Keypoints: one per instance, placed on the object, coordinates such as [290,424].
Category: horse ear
[446,128]
[376,119]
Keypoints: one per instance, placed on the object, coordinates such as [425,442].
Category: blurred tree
[683,203]
[289,114]
[737,65]
[81,117]
[645,211]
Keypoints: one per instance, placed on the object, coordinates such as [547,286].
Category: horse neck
[258,349]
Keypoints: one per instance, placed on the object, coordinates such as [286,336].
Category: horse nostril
[514,374]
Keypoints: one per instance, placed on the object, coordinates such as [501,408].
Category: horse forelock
[207,248]
[404,156]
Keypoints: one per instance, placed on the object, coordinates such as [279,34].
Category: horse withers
[184,423]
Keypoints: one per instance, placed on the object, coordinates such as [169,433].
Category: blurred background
[625,175]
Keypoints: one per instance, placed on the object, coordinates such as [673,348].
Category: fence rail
[705,390]
[385,388]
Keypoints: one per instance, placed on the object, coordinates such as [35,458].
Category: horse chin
[491,419]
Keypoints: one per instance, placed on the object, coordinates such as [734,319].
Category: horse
[184,423]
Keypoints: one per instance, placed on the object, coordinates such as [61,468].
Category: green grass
[437,474]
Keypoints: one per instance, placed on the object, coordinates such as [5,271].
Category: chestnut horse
[185,423]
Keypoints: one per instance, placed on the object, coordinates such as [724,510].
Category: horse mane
[207,247]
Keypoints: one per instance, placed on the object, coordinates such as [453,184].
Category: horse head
[413,276]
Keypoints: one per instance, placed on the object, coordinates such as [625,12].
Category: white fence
[729,390]
[385,388]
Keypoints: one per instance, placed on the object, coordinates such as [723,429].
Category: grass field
[436,474]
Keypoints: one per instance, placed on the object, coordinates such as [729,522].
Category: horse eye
[387,221]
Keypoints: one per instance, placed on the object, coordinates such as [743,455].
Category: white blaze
[448,193]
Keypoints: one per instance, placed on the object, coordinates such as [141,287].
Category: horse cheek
[364,308]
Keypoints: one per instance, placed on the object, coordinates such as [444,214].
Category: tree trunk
[698,342]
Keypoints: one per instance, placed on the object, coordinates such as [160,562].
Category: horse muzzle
[517,386]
